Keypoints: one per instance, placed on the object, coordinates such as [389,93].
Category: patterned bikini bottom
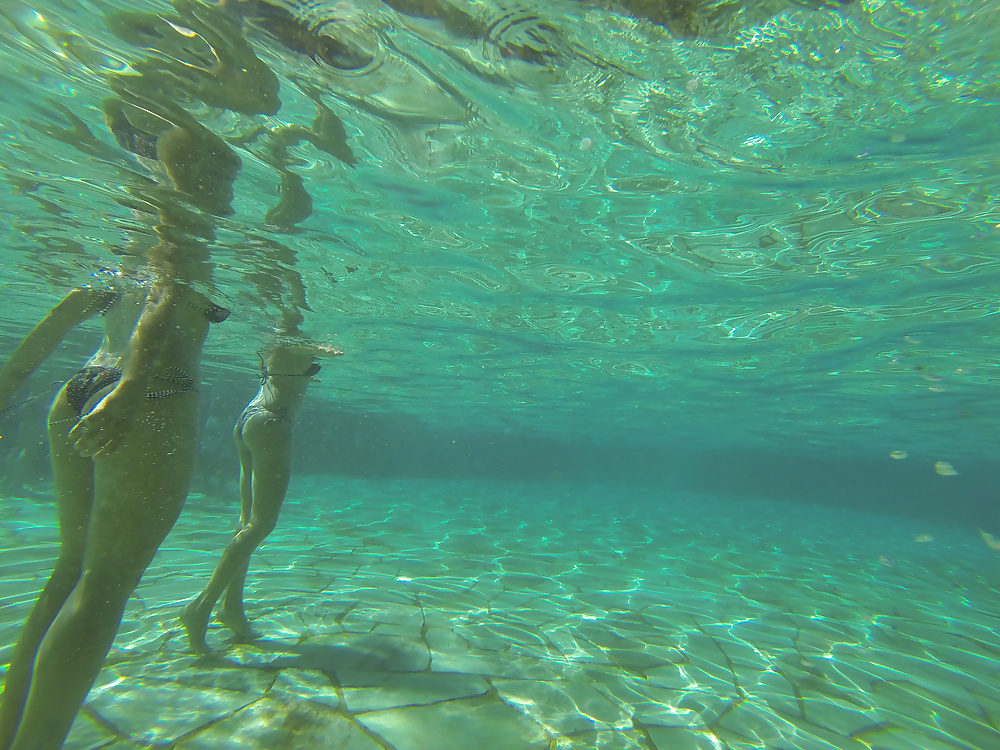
[91,380]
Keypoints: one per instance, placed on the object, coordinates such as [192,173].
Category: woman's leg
[233,614]
[73,480]
[139,491]
[266,449]
[195,615]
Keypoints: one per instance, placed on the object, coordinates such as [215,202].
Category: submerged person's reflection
[263,437]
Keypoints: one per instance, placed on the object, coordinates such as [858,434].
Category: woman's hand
[102,430]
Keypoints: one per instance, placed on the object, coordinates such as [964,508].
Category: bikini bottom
[91,380]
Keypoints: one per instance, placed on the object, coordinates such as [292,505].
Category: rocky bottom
[427,616]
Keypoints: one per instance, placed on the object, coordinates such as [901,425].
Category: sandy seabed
[414,615]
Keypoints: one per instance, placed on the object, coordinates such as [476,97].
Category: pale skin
[263,436]
[121,470]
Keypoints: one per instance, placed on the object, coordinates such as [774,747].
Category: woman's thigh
[268,440]
[141,487]
[72,475]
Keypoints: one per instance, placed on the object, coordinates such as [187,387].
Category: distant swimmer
[263,436]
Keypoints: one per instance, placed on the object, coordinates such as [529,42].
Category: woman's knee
[258,530]
[68,566]
[103,591]
[118,567]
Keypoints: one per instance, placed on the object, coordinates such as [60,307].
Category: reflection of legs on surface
[74,490]
[138,495]
[265,464]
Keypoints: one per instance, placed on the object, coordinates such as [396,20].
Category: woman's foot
[236,620]
[195,622]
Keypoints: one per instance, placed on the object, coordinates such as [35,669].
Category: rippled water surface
[766,222]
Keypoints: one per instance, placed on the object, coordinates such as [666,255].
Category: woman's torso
[181,346]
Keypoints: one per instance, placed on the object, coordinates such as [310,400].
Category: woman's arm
[36,347]
[102,430]
[147,339]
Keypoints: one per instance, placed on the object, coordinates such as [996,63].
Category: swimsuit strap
[312,370]
[28,400]
[176,375]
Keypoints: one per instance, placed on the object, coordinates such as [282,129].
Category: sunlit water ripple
[785,228]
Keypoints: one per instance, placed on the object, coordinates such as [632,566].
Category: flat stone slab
[482,723]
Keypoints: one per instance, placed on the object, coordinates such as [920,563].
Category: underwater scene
[500,374]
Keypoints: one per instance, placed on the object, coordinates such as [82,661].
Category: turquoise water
[700,294]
